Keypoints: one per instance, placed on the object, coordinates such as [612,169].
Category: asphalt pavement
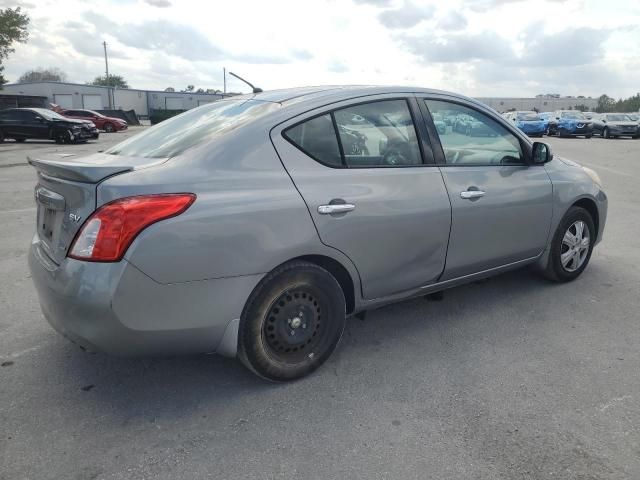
[510,378]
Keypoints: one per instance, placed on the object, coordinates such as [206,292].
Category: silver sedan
[253,226]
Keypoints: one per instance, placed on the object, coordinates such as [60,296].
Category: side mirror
[541,153]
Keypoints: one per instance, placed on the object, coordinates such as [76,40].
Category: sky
[479,48]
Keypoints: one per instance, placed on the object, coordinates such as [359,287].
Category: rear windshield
[191,128]
[528,116]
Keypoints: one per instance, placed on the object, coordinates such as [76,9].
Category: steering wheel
[502,159]
[393,157]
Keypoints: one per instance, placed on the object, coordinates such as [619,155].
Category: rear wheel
[108,127]
[20,140]
[292,322]
[571,246]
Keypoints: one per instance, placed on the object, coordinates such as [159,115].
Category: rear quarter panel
[247,219]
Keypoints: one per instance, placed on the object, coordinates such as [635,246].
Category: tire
[108,127]
[21,140]
[588,136]
[1,136]
[562,266]
[561,134]
[605,133]
[298,297]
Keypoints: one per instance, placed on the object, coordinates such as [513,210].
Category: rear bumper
[533,130]
[117,309]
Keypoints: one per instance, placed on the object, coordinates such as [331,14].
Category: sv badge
[74,218]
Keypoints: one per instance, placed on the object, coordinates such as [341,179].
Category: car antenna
[255,89]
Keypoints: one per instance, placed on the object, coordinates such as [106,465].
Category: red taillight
[109,231]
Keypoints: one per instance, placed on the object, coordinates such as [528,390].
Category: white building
[77,95]
[542,104]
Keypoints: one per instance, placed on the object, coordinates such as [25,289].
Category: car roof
[335,92]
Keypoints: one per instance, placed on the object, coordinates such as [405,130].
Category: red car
[108,124]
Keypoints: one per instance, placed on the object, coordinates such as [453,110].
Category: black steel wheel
[292,322]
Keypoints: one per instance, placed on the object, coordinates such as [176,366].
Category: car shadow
[173,387]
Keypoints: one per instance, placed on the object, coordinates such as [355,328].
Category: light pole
[106,68]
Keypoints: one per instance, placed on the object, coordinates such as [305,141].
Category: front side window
[375,134]
[475,138]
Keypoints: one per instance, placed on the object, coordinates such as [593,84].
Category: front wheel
[571,246]
[108,127]
[605,133]
[292,322]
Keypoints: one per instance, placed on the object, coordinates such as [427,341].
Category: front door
[501,206]
[33,125]
[361,171]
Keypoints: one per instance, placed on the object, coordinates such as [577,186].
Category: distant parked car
[461,123]
[529,122]
[40,123]
[439,123]
[108,124]
[570,123]
[612,125]
[545,117]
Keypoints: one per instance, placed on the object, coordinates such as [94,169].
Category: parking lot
[510,378]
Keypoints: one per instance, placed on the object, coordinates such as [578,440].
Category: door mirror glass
[541,153]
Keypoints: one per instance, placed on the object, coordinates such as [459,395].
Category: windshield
[174,136]
[633,117]
[574,115]
[49,114]
[528,116]
[618,118]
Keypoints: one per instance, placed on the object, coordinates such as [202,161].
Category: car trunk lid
[66,194]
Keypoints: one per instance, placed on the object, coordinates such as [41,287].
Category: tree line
[608,104]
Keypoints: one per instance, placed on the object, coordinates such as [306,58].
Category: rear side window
[317,138]
[374,134]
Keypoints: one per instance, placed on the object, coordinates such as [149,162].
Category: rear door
[501,206]
[367,176]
